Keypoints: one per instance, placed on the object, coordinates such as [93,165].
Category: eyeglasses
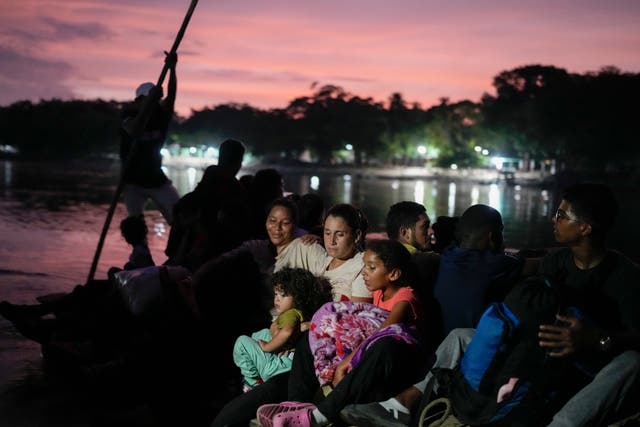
[562,215]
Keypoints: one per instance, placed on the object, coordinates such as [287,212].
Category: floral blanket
[337,328]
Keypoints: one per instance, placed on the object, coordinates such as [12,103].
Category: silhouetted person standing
[143,133]
[215,216]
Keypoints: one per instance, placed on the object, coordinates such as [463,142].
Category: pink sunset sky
[266,53]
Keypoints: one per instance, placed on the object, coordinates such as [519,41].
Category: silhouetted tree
[61,129]
[581,120]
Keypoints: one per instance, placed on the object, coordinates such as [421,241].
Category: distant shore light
[191,177]
[498,162]
[314,182]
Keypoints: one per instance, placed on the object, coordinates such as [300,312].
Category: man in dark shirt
[605,287]
[477,271]
[408,223]
[143,133]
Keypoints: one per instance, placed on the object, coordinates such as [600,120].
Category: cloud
[51,30]
[25,77]
[65,31]
[351,79]
[266,53]
[250,75]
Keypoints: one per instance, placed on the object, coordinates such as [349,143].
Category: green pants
[254,363]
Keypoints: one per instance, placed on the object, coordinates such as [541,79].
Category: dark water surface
[51,216]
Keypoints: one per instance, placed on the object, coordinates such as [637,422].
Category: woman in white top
[340,260]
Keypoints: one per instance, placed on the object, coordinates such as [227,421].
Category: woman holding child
[340,261]
[363,350]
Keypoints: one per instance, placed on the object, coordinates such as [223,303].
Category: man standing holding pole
[142,162]
[136,126]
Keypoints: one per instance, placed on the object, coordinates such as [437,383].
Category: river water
[51,216]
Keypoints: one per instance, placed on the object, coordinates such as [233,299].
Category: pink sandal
[267,412]
[299,418]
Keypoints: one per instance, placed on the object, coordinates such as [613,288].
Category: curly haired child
[268,352]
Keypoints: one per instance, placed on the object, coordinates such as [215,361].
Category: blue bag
[504,376]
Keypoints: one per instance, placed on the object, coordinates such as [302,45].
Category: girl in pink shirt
[342,333]
[385,272]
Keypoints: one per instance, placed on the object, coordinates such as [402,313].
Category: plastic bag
[145,289]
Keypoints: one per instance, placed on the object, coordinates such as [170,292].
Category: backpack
[504,348]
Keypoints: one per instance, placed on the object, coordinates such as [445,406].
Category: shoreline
[541,178]
[480,175]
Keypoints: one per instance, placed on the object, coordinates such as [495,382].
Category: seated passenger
[341,262]
[134,231]
[477,271]
[386,360]
[269,351]
[604,285]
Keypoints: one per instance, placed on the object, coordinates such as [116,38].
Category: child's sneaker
[267,413]
[299,418]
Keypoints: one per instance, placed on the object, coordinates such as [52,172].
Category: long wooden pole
[178,39]
[125,167]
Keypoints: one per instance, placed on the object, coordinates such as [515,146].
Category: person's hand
[171,59]
[284,353]
[304,326]
[310,239]
[568,338]
[340,372]
[262,344]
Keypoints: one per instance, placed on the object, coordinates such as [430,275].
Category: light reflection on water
[51,216]
[524,208]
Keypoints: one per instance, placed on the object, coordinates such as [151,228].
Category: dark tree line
[60,129]
[587,120]
[584,121]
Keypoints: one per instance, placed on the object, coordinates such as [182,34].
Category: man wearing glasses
[605,286]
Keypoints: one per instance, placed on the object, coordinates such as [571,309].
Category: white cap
[144,89]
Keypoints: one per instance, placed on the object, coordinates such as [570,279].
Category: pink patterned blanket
[337,328]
